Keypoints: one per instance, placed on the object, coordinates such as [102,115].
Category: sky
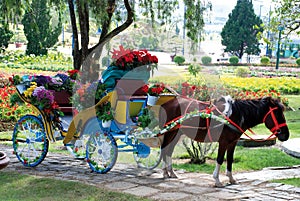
[226,6]
[262,6]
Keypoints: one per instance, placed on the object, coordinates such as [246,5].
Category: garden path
[127,178]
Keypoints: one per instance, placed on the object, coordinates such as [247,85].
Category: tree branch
[119,29]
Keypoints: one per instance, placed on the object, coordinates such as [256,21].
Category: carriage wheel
[147,157]
[30,142]
[78,148]
[101,152]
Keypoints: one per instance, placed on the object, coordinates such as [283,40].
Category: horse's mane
[250,112]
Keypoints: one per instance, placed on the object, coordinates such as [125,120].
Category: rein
[274,130]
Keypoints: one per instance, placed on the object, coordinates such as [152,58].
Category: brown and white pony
[243,114]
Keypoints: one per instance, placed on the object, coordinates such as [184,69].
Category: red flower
[145,88]
[208,110]
[127,59]
[73,73]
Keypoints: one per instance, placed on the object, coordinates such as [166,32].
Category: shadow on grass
[15,186]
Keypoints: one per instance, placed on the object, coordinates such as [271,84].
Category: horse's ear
[272,101]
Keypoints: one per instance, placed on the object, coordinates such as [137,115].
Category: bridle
[276,128]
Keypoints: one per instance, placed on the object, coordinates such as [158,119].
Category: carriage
[85,135]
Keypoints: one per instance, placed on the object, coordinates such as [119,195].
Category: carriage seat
[128,99]
[63,98]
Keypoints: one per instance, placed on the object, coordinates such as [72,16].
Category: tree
[125,12]
[38,28]
[241,31]
[10,12]
[103,12]
[5,36]
[288,14]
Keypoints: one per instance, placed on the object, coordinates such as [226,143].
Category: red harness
[208,110]
[274,130]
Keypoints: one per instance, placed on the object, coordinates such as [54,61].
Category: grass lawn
[291,181]
[30,188]
[246,159]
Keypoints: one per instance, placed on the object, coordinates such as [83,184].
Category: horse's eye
[278,131]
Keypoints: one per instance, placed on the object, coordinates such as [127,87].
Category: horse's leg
[165,165]
[167,151]
[230,153]
[220,160]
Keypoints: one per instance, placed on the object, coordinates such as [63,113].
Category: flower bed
[283,85]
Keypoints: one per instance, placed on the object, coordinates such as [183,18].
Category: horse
[241,115]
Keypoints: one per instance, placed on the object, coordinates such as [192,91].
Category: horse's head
[224,105]
[274,119]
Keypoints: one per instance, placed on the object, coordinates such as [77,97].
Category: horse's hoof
[233,182]
[173,176]
[219,185]
[166,176]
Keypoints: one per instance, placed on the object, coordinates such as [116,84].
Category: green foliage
[242,72]
[194,69]
[105,112]
[199,152]
[195,23]
[265,60]
[239,36]
[288,11]
[298,61]
[38,28]
[51,62]
[106,61]
[206,60]
[149,43]
[147,119]
[5,36]
[179,59]
[234,60]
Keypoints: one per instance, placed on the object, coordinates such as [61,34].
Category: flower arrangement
[105,112]
[88,94]
[127,59]
[154,90]
[38,89]
[41,98]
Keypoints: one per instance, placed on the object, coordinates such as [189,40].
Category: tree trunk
[75,44]
[87,59]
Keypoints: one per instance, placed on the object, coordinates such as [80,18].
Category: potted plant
[153,92]
[105,113]
[4,160]
[129,64]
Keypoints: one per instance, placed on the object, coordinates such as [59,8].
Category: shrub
[242,71]
[298,61]
[194,69]
[206,60]
[265,60]
[234,60]
[179,60]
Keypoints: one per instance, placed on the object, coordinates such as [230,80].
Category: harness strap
[236,127]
